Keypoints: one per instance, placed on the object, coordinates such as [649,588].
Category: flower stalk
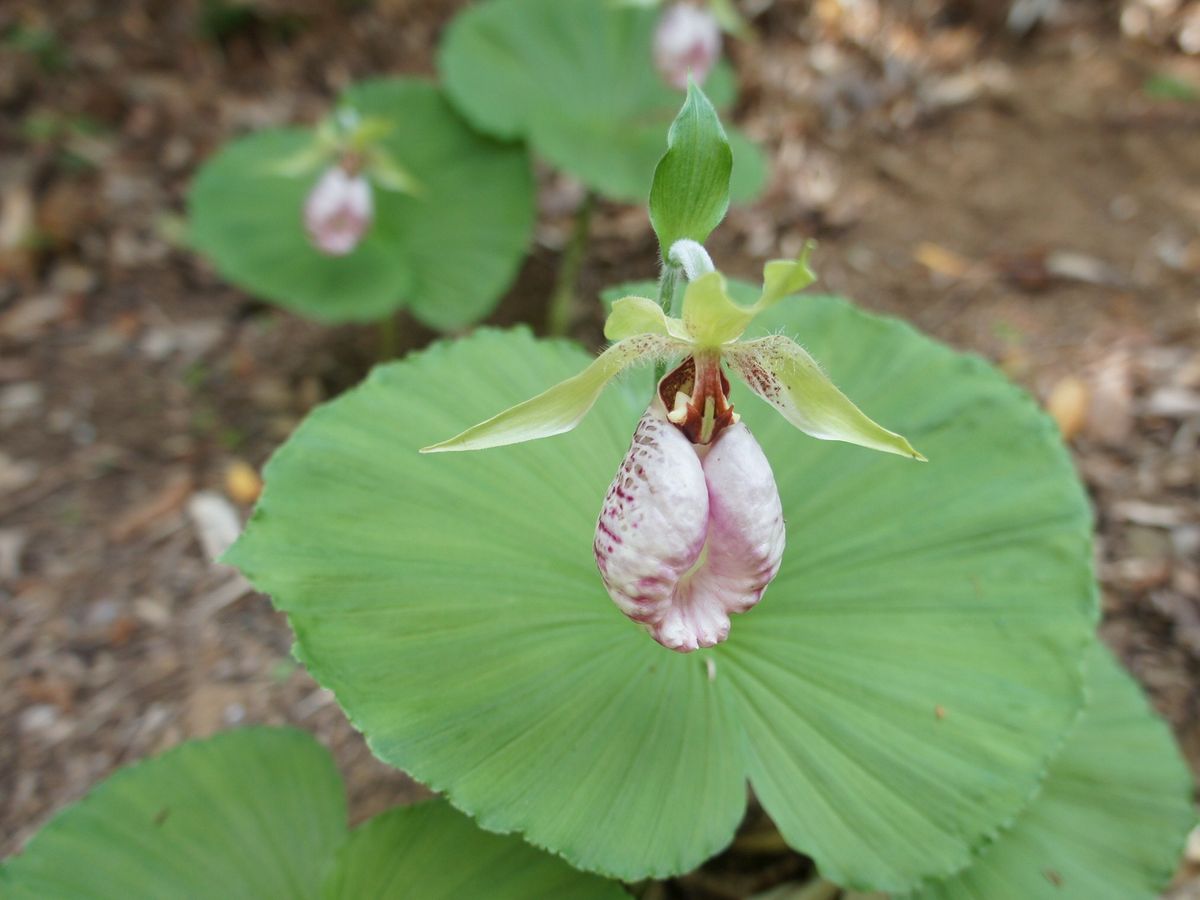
[562,301]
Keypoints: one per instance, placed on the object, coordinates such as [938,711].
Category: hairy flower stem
[668,283]
[562,301]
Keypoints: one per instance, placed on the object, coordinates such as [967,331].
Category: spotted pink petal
[654,519]
[686,41]
[689,535]
[338,211]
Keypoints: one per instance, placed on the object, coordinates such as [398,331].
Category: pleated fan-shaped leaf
[434,852]
[251,813]
[260,813]
[1111,819]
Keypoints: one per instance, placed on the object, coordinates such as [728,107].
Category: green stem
[386,334]
[668,283]
[562,301]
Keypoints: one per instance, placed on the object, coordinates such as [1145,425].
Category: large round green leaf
[576,78]
[432,851]
[447,252]
[1111,818]
[893,700]
[251,813]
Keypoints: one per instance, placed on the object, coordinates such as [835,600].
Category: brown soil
[1027,200]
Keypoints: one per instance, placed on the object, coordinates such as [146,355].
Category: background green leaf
[252,813]
[1110,820]
[690,191]
[893,700]
[576,78]
[432,851]
[448,252]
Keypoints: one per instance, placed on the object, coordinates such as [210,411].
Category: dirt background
[1032,196]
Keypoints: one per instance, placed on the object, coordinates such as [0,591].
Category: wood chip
[216,522]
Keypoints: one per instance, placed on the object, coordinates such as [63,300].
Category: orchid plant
[339,208]
[392,201]
[919,704]
[691,529]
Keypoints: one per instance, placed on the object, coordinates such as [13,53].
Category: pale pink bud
[689,533]
[338,211]
[688,39]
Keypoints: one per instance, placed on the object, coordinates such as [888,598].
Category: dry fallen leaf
[942,261]
[1110,412]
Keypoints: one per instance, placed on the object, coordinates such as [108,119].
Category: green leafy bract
[447,252]
[893,700]
[1110,820]
[577,80]
[690,191]
[251,813]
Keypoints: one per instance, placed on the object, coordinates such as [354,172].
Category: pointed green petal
[303,162]
[782,373]
[710,316]
[782,277]
[389,174]
[638,315]
[561,407]
[371,130]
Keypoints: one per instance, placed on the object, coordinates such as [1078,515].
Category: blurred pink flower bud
[689,533]
[338,211]
[688,39]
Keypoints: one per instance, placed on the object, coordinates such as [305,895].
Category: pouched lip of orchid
[690,532]
[776,368]
[686,41]
[338,211]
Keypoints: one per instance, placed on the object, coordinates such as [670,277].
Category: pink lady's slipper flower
[692,528]
[338,211]
[686,41]
[340,206]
